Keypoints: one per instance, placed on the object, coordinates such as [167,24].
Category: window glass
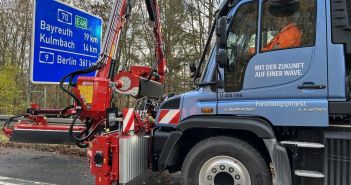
[288,24]
[241,45]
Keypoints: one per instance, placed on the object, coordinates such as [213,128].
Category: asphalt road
[31,167]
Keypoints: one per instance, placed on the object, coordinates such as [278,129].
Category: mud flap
[280,162]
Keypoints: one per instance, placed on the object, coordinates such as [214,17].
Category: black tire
[208,149]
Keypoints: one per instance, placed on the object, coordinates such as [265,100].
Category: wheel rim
[224,170]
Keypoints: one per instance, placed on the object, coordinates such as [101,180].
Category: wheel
[225,161]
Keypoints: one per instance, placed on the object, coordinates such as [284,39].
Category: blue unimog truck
[265,116]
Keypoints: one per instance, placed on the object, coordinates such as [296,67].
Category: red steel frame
[101,88]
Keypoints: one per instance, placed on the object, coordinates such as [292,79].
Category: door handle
[311,86]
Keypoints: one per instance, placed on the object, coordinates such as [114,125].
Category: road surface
[31,167]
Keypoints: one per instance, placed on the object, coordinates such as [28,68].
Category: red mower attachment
[33,127]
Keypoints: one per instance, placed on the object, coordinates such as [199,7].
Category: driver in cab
[290,35]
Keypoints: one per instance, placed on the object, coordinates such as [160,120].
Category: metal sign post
[65,39]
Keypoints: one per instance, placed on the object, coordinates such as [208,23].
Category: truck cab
[272,105]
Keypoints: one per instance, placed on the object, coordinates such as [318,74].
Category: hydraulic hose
[86,131]
[79,141]
[8,121]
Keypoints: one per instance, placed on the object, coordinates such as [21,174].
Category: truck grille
[338,159]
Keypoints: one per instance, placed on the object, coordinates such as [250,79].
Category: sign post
[65,39]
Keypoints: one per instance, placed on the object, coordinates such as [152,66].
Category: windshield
[209,54]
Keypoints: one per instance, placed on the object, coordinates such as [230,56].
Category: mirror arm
[206,84]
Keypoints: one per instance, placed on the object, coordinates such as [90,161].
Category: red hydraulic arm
[101,125]
[124,82]
[104,148]
[116,23]
[111,40]
[159,53]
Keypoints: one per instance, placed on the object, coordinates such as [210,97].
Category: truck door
[277,63]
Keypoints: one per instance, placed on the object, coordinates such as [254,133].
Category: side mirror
[193,69]
[222,58]
[221,32]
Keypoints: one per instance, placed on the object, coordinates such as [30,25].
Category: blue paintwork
[280,112]
[336,65]
[269,60]
[277,99]
[302,107]
[192,102]
[195,100]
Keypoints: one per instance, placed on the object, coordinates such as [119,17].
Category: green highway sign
[81,22]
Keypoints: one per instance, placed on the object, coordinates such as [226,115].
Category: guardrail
[3,118]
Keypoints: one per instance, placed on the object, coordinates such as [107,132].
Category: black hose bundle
[77,139]
[8,121]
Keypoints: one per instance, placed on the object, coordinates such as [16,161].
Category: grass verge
[3,139]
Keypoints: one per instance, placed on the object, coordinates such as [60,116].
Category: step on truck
[271,105]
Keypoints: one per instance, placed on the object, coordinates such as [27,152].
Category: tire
[225,161]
